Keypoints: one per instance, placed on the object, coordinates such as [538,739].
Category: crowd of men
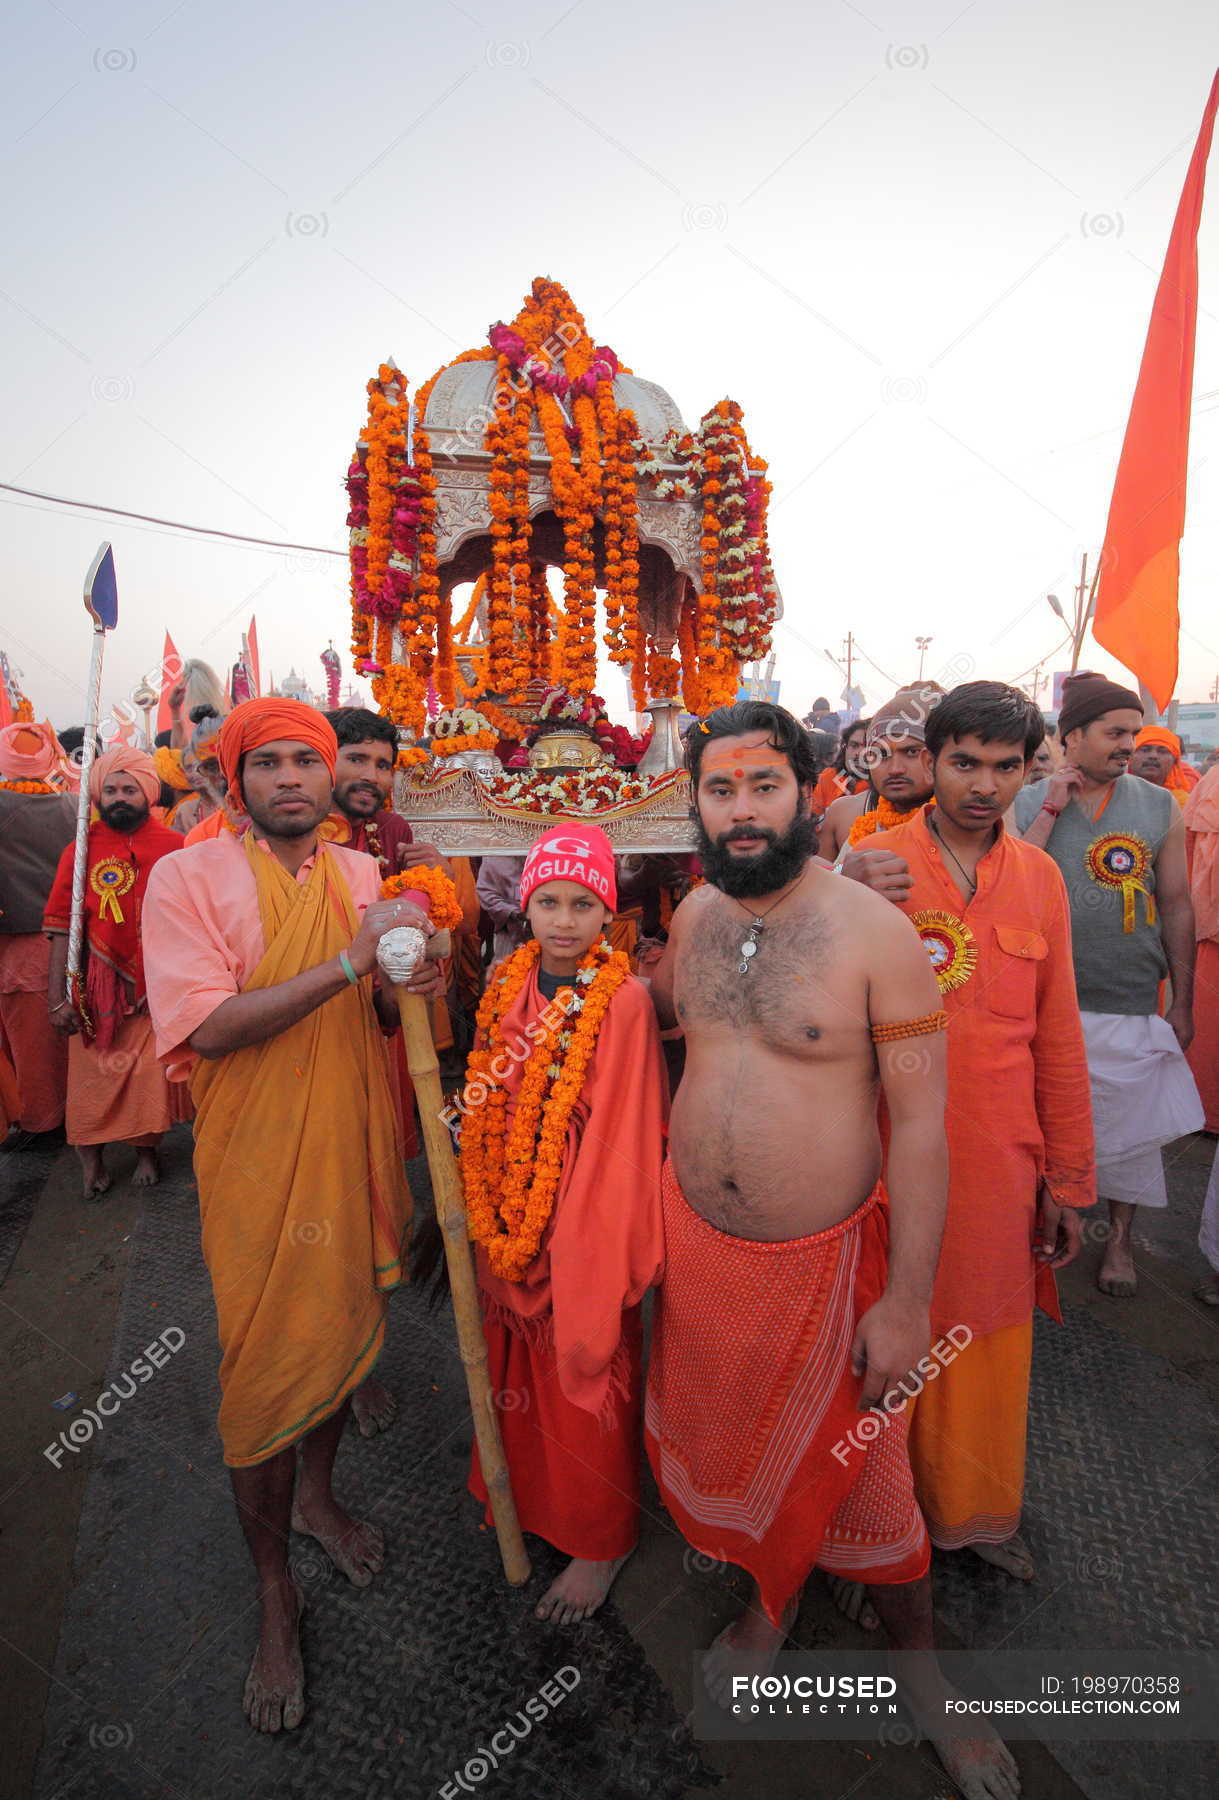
[936,998]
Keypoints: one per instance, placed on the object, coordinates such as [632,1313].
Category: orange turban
[1180,779]
[123,760]
[29,752]
[258,722]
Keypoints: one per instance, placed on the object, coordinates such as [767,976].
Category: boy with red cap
[562,1141]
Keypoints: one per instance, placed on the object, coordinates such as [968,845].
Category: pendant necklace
[971,880]
[749,949]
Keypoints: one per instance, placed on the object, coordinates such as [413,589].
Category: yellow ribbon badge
[110,879]
[1121,860]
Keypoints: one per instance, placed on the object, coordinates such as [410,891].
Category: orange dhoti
[120,1095]
[577,1476]
[967,1440]
[38,1053]
[1203,1053]
[754,1432]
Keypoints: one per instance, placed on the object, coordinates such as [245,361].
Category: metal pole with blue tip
[102,606]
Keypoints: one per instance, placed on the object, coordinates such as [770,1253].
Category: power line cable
[213,531]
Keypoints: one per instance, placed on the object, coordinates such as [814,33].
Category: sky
[917,242]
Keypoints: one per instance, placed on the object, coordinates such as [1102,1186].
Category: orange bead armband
[908,1028]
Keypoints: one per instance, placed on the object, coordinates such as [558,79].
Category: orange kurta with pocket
[1019,1113]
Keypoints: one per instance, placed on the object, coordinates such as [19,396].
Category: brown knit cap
[1086,696]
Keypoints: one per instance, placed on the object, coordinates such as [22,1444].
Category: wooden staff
[450,1202]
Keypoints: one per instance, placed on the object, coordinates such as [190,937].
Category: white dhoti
[1143,1096]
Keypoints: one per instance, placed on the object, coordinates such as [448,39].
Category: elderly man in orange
[994,915]
[37,819]
[117,1091]
[261,954]
[1157,759]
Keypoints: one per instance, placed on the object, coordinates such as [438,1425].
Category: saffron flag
[171,674]
[1136,603]
[251,645]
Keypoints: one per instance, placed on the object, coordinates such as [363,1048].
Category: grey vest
[1116,970]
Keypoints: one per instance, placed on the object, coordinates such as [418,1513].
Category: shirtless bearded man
[792,1306]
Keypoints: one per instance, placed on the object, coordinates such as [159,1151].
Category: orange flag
[252,657]
[171,674]
[1136,601]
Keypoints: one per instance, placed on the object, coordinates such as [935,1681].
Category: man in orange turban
[1157,758]
[260,955]
[37,818]
[117,1092]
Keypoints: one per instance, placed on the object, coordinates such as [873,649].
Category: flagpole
[101,603]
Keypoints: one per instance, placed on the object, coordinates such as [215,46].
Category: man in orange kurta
[1201,816]
[117,1091]
[258,965]
[994,916]
[37,819]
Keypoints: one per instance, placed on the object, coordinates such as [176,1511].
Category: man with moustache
[117,1092]
[795,1297]
[1120,844]
[896,757]
[994,916]
[262,980]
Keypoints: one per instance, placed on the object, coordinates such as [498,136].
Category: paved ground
[124,1605]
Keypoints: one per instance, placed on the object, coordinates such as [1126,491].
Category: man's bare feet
[749,1646]
[1208,1293]
[982,1767]
[147,1171]
[578,1591]
[1117,1277]
[95,1175]
[373,1407]
[356,1547]
[851,1598]
[274,1697]
[1013,1554]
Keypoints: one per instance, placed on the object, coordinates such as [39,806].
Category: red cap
[572,852]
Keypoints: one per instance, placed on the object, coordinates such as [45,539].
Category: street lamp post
[1084,606]
[921,644]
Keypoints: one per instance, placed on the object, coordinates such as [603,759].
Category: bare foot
[1013,1554]
[373,1407]
[96,1176]
[578,1591]
[851,1598]
[147,1170]
[274,1697]
[1117,1277]
[355,1547]
[749,1646]
[982,1767]
[1208,1293]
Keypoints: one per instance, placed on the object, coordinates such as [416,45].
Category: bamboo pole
[451,1215]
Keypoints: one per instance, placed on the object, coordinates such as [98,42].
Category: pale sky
[917,242]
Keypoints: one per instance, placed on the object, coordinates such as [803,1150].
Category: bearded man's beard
[746,878]
[122,816]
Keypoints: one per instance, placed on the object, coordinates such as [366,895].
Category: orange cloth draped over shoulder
[302,1193]
[564,1343]
[831,786]
[754,1432]
[1202,849]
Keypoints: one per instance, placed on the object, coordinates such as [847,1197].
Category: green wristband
[345,965]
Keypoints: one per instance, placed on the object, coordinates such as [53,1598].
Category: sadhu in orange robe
[1018,1114]
[302,1192]
[564,1344]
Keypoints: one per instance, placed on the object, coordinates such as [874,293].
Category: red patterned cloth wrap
[752,1418]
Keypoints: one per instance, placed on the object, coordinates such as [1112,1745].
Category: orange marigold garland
[512,1175]
[444,908]
[884,816]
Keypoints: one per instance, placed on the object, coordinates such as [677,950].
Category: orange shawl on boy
[604,1246]
[302,1192]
